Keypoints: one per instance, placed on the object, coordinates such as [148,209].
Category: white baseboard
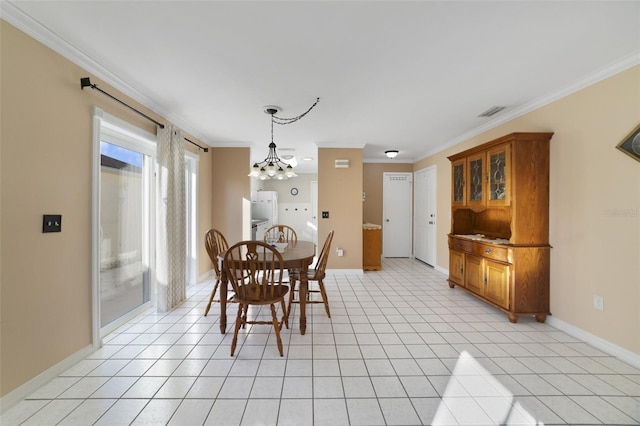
[605,346]
[442,270]
[21,392]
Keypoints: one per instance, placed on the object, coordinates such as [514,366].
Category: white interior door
[424,215]
[396,225]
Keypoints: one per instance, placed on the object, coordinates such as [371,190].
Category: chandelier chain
[284,120]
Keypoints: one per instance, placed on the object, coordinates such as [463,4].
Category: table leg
[224,283]
[302,294]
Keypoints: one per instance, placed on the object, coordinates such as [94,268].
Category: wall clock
[294,191]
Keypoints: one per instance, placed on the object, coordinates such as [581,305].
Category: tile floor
[401,348]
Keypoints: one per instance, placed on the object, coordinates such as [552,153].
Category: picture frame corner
[630,144]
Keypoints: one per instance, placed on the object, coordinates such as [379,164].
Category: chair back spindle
[281,234]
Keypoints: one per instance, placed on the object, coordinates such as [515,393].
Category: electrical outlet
[339,252]
[598,303]
[325,215]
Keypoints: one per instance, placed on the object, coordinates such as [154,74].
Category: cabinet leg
[451,285]
[541,317]
[512,317]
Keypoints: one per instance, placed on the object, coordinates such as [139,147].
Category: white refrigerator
[266,207]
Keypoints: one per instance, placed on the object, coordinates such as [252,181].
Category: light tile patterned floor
[401,348]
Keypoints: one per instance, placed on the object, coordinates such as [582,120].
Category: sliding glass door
[124,162]
[124,227]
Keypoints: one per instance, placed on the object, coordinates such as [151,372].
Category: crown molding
[602,74]
[19,19]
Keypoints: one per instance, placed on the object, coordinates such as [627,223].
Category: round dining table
[297,255]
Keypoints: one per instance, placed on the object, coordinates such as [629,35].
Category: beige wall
[46,168]
[231,190]
[595,251]
[340,193]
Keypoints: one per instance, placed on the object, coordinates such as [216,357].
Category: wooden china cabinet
[499,242]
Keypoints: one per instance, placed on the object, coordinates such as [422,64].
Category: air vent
[492,111]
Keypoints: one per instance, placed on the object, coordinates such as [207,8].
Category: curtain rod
[86,82]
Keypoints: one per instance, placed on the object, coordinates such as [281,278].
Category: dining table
[297,255]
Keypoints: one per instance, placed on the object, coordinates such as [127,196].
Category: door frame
[192,162]
[147,140]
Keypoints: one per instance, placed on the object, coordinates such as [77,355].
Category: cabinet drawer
[491,251]
[460,244]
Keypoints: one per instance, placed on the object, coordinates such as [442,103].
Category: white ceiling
[412,76]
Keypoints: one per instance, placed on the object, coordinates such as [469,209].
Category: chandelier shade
[273,167]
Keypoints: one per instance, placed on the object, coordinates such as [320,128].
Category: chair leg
[291,291]
[324,298]
[236,329]
[244,316]
[276,327]
[285,314]
[213,293]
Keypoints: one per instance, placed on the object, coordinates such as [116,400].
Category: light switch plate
[51,223]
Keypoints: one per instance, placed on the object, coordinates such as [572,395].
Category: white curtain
[171,232]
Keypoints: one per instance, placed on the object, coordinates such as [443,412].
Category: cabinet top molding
[518,136]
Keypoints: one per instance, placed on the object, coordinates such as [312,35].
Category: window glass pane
[124,266]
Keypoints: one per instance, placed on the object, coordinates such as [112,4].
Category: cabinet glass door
[499,176]
[476,180]
[458,183]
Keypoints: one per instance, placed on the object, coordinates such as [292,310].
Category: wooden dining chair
[216,244]
[317,273]
[282,233]
[255,271]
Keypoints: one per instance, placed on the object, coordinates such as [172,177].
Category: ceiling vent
[492,111]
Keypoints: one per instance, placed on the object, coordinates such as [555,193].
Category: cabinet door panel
[456,267]
[474,279]
[497,288]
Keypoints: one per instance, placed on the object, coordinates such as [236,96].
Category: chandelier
[273,167]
